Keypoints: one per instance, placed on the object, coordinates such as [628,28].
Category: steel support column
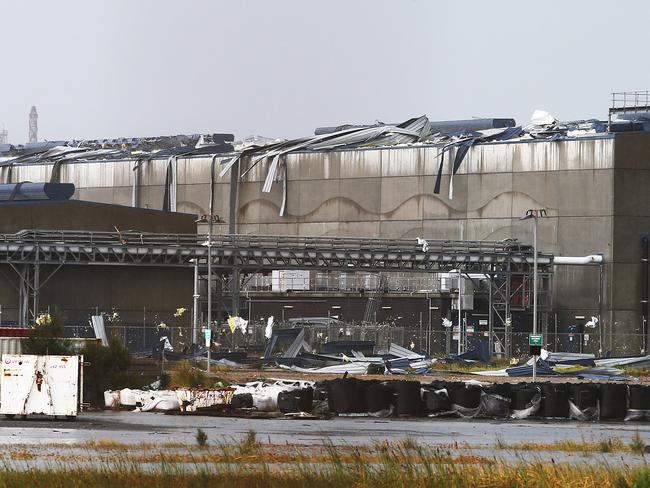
[36,290]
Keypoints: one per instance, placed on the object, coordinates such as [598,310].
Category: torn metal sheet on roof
[104,149]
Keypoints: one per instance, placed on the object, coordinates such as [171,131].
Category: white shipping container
[47,385]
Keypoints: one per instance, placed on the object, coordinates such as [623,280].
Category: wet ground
[39,442]
[131,427]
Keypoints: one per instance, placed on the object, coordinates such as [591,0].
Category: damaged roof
[126,147]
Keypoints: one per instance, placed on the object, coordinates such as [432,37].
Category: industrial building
[467,183]
[129,293]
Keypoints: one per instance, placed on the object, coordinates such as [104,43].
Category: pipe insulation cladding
[27,191]
[578,260]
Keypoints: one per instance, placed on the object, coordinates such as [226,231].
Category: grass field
[250,463]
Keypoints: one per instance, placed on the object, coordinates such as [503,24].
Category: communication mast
[33,125]
[4,135]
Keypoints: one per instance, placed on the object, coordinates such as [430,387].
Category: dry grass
[249,463]
[187,376]
[635,446]
[635,372]
[470,368]
[394,467]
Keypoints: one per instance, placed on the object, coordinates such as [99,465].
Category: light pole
[534,214]
[195,309]
[210,219]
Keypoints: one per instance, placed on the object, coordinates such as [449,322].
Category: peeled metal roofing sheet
[350,368]
[543,369]
[636,360]
[402,352]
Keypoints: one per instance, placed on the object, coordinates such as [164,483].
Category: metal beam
[251,253]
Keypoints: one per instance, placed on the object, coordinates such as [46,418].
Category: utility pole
[534,214]
[534,292]
[209,287]
[460,319]
[210,219]
[195,307]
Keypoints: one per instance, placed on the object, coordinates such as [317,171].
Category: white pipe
[578,260]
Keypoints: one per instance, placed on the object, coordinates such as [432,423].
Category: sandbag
[495,406]
[265,395]
[320,404]
[583,401]
[379,399]
[345,395]
[436,402]
[555,400]
[132,398]
[293,401]
[612,401]
[639,406]
[406,397]
[164,400]
[242,400]
[525,400]
[112,399]
[495,401]
[465,400]
[501,389]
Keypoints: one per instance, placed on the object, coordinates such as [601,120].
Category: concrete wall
[631,221]
[389,193]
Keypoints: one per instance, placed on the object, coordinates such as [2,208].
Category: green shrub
[107,370]
[46,337]
[201,438]
[637,445]
[186,376]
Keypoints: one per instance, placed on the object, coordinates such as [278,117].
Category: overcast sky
[281,68]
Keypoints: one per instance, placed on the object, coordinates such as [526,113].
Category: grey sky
[281,68]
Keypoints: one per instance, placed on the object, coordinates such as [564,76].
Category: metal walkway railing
[258,253]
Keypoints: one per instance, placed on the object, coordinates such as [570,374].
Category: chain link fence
[144,337]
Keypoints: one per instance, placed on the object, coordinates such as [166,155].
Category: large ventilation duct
[27,191]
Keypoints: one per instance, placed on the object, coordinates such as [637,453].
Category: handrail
[257,241]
